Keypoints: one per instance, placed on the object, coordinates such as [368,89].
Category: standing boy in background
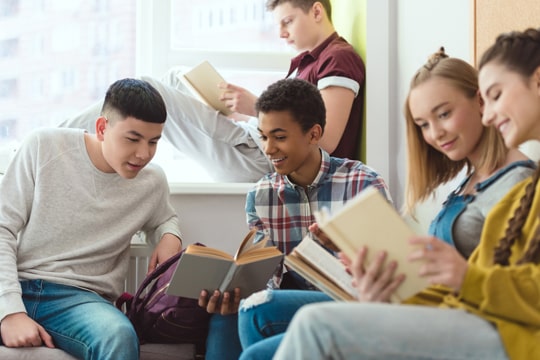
[71,202]
[230,150]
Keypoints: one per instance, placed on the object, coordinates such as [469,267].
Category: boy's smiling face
[128,145]
[293,152]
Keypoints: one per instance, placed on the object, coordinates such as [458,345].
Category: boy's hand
[238,99]
[322,237]
[19,330]
[213,304]
[168,246]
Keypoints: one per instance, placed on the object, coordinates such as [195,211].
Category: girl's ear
[480,101]
[536,76]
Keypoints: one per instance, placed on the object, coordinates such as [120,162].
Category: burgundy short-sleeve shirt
[336,63]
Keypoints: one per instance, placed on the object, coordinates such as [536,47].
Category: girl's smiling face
[449,120]
[511,103]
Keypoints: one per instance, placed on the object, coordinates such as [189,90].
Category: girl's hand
[443,264]
[377,281]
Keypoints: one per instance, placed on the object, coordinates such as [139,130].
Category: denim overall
[443,224]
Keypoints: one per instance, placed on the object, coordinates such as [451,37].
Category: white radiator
[138,266]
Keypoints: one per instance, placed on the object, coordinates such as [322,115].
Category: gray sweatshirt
[63,220]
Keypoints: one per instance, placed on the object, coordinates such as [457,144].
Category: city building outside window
[59,56]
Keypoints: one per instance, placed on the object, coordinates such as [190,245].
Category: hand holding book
[369,221]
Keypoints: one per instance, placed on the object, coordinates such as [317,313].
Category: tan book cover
[203,81]
[207,268]
[369,219]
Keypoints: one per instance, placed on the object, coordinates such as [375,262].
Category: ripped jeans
[264,316]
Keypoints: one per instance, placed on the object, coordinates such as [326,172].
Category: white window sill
[210,188]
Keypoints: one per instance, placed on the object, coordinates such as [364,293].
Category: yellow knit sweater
[508,296]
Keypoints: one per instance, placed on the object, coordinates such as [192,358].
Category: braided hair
[519,52]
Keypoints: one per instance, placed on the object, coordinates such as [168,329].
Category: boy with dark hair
[281,205]
[231,150]
[71,202]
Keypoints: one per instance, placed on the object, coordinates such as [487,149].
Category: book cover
[203,80]
[370,220]
[211,269]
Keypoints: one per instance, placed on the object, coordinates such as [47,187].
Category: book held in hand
[205,268]
[203,81]
[370,220]
[322,269]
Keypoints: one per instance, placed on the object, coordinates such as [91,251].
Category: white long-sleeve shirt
[63,220]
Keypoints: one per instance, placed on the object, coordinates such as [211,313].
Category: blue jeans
[80,322]
[222,342]
[264,317]
[390,332]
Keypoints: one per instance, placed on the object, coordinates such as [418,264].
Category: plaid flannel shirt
[284,211]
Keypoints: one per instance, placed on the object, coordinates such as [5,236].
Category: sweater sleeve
[17,193]
[508,292]
[164,219]
[518,301]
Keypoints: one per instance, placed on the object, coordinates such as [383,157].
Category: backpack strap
[157,272]
[125,298]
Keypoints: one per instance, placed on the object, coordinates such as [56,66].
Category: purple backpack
[161,318]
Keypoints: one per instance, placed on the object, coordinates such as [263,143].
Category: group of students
[72,199]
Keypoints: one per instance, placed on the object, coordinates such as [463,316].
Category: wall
[212,214]
[400,37]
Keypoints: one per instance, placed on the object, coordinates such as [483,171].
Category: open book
[369,219]
[322,269]
[202,267]
[203,81]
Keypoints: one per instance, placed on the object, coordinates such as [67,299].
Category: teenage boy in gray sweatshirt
[70,204]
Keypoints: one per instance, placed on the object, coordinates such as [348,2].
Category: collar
[314,54]
[321,175]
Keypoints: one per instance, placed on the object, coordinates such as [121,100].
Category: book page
[370,220]
[317,278]
[207,251]
[315,255]
[204,79]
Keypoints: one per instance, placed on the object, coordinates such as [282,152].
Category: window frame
[154,55]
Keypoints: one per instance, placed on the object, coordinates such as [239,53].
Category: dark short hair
[305,5]
[135,98]
[299,97]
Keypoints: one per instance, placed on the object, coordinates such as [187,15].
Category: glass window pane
[57,57]
[224,25]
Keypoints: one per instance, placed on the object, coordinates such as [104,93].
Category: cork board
[492,17]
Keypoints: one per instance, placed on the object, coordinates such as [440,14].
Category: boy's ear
[315,133]
[101,125]
[318,11]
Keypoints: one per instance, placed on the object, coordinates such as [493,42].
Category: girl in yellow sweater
[485,308]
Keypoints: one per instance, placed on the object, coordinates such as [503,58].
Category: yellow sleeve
[509,292]
[430,296]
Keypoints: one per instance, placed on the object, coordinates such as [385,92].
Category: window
[8,48]
[89,44]
[8,8]
[49,69]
